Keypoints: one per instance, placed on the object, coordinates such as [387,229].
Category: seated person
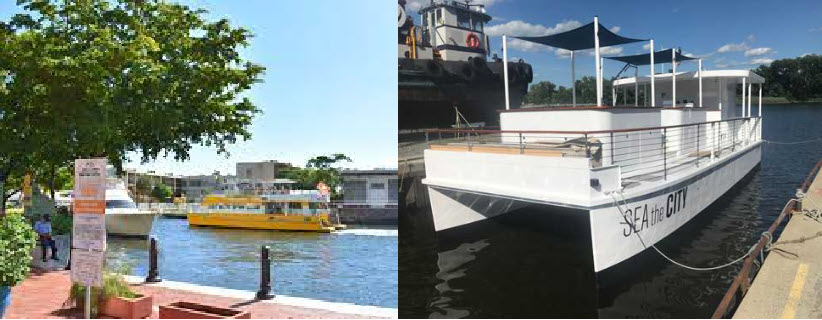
[43,229]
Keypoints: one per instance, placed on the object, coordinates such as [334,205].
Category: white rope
[616,203]
[792,143]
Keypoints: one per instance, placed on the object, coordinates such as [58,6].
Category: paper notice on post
[86,267]
[89,231]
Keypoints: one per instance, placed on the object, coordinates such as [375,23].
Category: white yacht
[122,216]
[635,171]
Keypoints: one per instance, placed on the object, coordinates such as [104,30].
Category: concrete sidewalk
[43,294]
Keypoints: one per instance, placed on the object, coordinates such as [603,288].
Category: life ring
[472,41]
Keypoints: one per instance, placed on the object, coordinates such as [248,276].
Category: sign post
[89,224]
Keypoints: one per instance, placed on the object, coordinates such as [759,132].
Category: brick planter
[125,308]
[190,310]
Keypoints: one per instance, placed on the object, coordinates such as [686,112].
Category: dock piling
[265,275]
[153,274]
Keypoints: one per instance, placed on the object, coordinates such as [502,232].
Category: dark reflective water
[355,266]
[519,266]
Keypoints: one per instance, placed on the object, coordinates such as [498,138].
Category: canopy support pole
[613,96]
[699,72]
[602,78]
[750,88]
[653,91]
[573,82]
[673,77]
[636,86]
[505,71]
[744,85]
[719,90]
[598,62]
[760,100]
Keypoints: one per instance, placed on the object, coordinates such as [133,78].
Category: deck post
[265,275]
[602,78]
[743,96]
[505,71]
[573,81]
[697,145]
[587,147]
[612,148]
[636,87]
[521,146]
[613,95]
[699,72]
[153,273]
[750,88]
[760,100]
[664,154]
[673,77]
[653,92]
[597,61]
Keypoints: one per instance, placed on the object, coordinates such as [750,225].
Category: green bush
[61,224]
[17,240]
[113,285]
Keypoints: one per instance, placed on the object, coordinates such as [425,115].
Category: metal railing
[642,153]
[742,282]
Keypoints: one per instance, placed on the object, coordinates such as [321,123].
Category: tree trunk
[51,182]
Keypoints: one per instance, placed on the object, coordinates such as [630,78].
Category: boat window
[439,16]
[120,204]
[377,186]
[463,19]
[477,25]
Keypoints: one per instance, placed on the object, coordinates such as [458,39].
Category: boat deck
[788,286]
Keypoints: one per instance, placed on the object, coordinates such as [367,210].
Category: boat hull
[263,221]
[616,233]
[130,224]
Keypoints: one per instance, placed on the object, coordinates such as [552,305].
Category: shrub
[17,240]
[61,223]
[113,285]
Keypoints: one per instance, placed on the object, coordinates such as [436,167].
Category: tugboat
[444,73]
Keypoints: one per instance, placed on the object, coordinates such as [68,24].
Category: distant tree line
[795,79]
[548,93]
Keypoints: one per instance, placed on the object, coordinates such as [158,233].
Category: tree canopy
[548,93]
[796,79]
[103,78]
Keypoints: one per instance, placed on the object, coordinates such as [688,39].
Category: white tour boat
[636,172]
[122,216]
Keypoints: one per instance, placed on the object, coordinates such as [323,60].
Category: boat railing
[650,153]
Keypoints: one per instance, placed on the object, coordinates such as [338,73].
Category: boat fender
[525,71]
[472,41]
[434,69]
[467,73]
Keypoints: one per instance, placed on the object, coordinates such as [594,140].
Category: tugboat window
[438,16]
[478,25]
[463,19]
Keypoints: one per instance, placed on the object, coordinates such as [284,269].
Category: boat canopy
[581,38]
[663,56]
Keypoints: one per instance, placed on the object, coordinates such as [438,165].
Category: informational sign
[89,227]
[86,267]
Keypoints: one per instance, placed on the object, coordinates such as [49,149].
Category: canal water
[355,266]
[518,266]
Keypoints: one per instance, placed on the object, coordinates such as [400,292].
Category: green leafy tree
[161,192]
[548,93]
[796,79]
[17,239]
[103,78]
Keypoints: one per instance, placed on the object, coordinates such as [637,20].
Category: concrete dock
[789,285]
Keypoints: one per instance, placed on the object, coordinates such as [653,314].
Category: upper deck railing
[649,153]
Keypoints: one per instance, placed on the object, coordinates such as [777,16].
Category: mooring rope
[768,245]
[792,142]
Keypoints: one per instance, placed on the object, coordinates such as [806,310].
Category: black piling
[153,274]
[265,275]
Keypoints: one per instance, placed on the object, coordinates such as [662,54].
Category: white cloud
[758,51]
[733,47]
[761,61]
[615,29]
[750,38]
[608,51]
[807,54]
[522,28]
[815,29]
[562,53]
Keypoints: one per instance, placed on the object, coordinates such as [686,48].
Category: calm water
[519,266]
[355,266]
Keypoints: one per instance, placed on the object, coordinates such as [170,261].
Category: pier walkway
[790,286]
[42,296]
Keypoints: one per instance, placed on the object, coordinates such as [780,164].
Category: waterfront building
[369,196]
[263,170]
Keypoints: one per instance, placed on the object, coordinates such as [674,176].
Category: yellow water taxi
[300,210]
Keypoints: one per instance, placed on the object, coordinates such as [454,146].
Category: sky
[329,86]
[726,34]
